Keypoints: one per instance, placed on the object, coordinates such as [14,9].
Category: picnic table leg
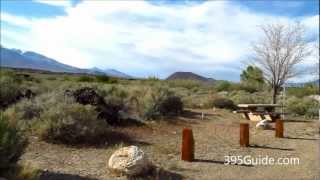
[247,116]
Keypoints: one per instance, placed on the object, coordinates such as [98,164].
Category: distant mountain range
[111,72]
[316,83]
[15,58]
[189,76]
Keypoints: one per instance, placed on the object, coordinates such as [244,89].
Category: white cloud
[15,20]
[143,39]
[59,3]
[312,25]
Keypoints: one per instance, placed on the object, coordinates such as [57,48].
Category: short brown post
[187,149]
[244,134]
[279,128]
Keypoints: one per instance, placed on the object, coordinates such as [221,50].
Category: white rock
[129,161]
[263,124]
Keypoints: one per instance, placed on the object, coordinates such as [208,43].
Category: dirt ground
[216,136]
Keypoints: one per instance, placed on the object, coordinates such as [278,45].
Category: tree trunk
[274,95]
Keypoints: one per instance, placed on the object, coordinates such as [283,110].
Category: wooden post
[187,149]
[244,134]
[279,128]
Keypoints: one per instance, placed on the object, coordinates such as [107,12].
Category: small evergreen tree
[252,79]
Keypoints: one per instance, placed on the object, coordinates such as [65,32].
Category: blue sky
[150,38]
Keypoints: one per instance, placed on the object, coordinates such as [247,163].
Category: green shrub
[25,77]
[243,86]
[56,117]
[171,106]
[296,107]
[153,78]
[198,101]
[159,102]
[106,79]
[244,97]
[108,102]
[20,78]
[302,91]
[250,87]
[114,95]
[193,101]
[26,109]
[105,102]
[27,112]
[71,123]
[152,102]
[241,97]
[223,86]
[51,78]
[66,78]
[252,79]
[115,92]
[12,144]
[86,79]
[6,72]
[24,112]
[9,91]
[313,112]
[102,78]
[224,103]
[302,107]
[189,84]
[24,172]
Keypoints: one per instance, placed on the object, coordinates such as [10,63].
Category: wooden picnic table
[258,112]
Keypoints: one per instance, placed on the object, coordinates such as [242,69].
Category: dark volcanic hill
[189,76]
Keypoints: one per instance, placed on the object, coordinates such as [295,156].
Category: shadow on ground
[61,176]
[130,122]
[192,114]
[181,119]
[219,162]
[299,138]
[268,147]
[116,137]
[298,121]
[158,174]
[112,137]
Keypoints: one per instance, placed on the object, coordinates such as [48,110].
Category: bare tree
[281,48]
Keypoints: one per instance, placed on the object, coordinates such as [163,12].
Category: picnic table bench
[258,112]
